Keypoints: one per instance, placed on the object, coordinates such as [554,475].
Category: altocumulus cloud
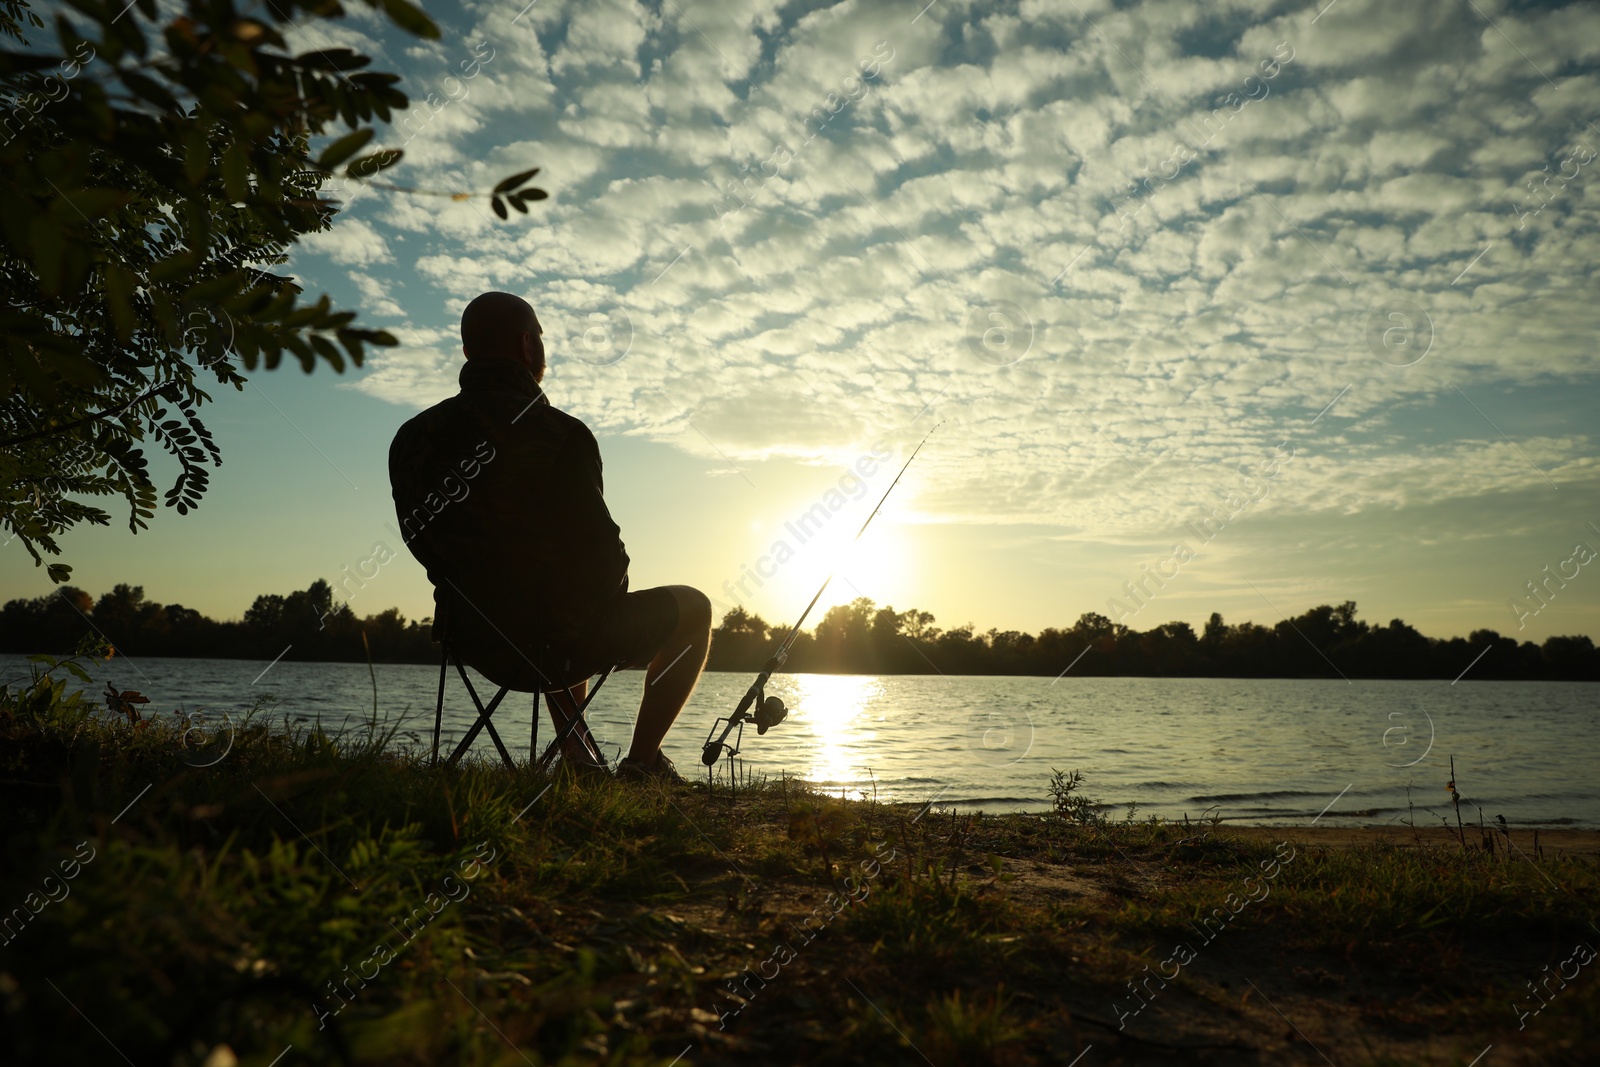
[989,164]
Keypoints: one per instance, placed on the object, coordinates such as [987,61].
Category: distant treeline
[855,638]
[310,624]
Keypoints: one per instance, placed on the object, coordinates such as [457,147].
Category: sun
[877,566]
[787,563]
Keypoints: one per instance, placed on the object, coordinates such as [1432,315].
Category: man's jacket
[499,496]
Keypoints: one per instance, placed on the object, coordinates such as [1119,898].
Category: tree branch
[96,416]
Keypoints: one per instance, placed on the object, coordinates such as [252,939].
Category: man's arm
[409,456]
[592,540]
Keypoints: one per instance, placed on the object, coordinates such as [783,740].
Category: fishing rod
[770,710]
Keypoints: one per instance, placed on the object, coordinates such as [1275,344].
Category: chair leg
[477,727]
[589,697]
[486,718]
[577,720]
[494,735]
[570,724]
[438,707]
[486,712]
[483,723]
[483,720]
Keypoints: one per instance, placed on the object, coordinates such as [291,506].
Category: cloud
[352,242]
[1195,250]
[379,296]
[421,370]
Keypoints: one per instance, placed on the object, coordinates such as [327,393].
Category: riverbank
[322,899]
[1544,843]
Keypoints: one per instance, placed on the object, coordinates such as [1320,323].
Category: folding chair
[486,713]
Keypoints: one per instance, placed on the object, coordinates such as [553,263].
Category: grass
[331,895]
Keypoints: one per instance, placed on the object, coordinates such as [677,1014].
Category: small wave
[1283,794]
[1330,818]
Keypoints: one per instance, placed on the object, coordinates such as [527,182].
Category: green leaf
[499,206]
[172,267]
[515,180]
[236,172]
[58,572]
[211,291]
[150,89]
[339,60]
[93,203]
[18,62]
[296,344]
[127,31]
[47,251]
[327,351]
[411,19]
[75,368]
[119,293]
[344,148]
[367,166]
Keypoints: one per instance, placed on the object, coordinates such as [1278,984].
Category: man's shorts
[626,633]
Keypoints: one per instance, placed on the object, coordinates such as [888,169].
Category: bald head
[503,326]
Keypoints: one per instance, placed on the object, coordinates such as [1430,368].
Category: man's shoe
[662,770]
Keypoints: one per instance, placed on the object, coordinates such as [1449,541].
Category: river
[1272,752]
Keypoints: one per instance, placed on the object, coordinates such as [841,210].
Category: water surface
[1258,751]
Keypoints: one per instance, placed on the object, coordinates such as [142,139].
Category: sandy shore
[1571,842]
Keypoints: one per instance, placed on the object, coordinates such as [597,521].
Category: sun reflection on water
[835,709]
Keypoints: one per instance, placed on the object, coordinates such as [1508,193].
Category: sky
[1283,303]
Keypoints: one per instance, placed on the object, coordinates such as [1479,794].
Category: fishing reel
[769,712]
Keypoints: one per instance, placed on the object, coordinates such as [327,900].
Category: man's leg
[672,673]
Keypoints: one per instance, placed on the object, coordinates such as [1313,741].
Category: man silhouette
[499,496]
